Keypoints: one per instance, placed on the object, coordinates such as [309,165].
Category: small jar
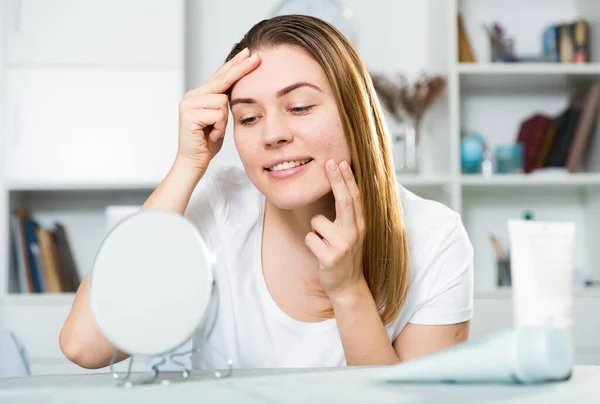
[509,159]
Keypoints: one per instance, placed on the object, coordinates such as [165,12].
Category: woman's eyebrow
[280,93]
[294,86]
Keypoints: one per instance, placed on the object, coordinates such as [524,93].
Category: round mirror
[151,283]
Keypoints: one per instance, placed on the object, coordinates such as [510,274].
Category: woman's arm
[417,340]
[366,342]
[363,335]
[80,338]
[203,115]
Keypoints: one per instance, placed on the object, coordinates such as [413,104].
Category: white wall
[393,36]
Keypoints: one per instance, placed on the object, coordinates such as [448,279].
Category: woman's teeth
[288,164]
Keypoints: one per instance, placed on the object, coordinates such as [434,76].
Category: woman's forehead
[279,67]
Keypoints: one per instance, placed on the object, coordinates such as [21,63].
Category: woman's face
[287,126]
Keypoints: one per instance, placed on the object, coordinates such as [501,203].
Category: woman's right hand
[203,112]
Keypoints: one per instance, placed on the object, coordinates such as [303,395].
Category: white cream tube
[520,355]
[542,269]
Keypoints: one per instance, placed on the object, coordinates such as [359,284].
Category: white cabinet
[107,32]
[88,118]
[90,125]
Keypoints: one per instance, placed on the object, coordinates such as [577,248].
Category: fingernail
[344,166]
[245,50]
[332,166]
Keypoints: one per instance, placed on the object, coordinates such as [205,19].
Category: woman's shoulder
[227,187]
[441,264]
[422,215]
[226,181]
[434,231]
[227,175]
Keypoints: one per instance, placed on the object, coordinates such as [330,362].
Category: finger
[219,127]
[200,119]
[344,206]
[208,101]
[241,55]
[222,70]
[330,232]
[221,82]
[354,194]
[317,246]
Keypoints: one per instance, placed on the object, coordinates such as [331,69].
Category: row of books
[42,256]
[561,140]
[562,42]
[567,42]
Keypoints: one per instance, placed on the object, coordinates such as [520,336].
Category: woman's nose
[276,133]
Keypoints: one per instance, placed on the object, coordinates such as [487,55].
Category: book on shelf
[465,50]
[567,42]
[42,257]
[561,140]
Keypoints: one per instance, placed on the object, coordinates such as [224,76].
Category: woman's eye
[299,110]
[248,121]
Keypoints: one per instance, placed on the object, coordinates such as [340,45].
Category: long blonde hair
[385,249]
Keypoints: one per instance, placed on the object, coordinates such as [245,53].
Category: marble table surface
[345,385]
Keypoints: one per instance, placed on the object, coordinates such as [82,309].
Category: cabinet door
[107,32]
[88,125]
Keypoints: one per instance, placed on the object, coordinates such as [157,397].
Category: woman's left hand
[338,245]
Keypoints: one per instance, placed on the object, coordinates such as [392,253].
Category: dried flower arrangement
[404,100]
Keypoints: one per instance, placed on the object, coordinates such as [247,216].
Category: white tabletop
[348,385]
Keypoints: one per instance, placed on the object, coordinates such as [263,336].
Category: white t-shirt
[251,329]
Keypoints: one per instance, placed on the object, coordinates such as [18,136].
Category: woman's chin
[292,193]
[290,201]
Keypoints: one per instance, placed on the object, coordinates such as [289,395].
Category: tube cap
[544,353]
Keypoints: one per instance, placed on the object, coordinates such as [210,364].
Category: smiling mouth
[289,164]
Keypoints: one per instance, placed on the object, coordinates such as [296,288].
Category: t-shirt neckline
[268,300]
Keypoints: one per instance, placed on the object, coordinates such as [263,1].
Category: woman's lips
[288,172]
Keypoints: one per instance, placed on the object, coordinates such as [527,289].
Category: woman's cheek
[330,139]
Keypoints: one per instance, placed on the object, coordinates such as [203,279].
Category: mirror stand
[128,381]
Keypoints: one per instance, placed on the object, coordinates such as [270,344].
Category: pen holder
[503,272]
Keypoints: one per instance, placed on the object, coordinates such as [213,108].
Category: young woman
[323,260]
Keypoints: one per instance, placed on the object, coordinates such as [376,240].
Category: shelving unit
[493,99]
